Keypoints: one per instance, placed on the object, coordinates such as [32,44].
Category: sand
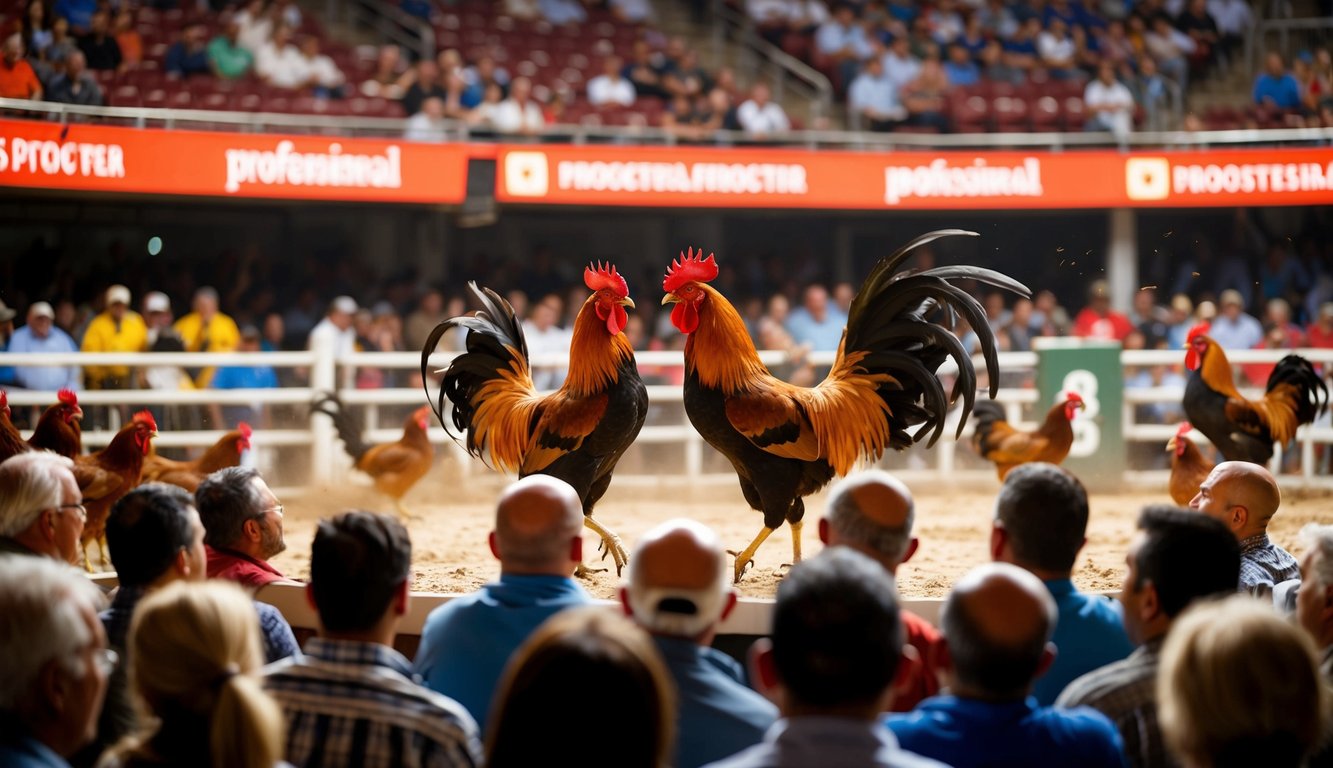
[450,553]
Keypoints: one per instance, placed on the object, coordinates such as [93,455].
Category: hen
[997,441]
[108,474]
[226,452]
[1188,466]
[1245,430]
[787,442]
[59,429]
[394,467]
[576,433]
[11,442]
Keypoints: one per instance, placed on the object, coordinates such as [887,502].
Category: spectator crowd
[1214,652]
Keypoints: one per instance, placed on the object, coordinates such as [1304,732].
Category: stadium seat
[1010,113]
[969,113]
[1076,113]
[215,101]
[1045,113]
[125,96]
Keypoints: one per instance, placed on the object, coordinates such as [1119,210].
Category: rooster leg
[402,511]
[101,552]
[87,566]
[745,559]
[610,542]
[796,541]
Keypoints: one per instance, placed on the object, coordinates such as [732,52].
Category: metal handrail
[392,23]
[1283,27]
[782,62]
[581,134]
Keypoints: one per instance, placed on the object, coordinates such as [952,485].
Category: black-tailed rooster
[394,467]
[787,442]
[1245,430]
[578,432]
[997,441]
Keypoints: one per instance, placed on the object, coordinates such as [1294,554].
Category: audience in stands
[352,700]
[189,55]
[54,661]
[831,662]
[41,336]
[1176,559]
[610,88]
[243,527]
[429,124]
[467,641]
[41,509]
[1233,328]
[873,98]
[873,512]
[1245,498]
[17,78]
[425,85]
[1041,520]
[1109,103]
[1240,685]
[999,622]
[128,38]
[336,327]
[99,45]
[678,589]
[520,112]
[532,719]
[194,655]
[759,117]
[226,57]
[391,77]
[75,85]
[322,76]
[279,63]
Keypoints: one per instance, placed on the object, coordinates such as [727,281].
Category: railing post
[322,379]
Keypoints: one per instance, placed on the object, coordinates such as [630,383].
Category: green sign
[1092,369]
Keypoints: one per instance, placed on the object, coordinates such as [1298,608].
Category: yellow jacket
[104,335]
[220,334]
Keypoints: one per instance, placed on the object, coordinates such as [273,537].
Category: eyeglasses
[79,508]
[106,660]
[278,510]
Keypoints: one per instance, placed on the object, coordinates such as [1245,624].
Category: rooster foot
[584,572]
[741,566]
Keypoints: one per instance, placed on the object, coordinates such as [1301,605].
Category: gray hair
[849,520]
[225,500]
[1319,538]
[30,483]
[42,601]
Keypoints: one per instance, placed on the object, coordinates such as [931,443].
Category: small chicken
[110,473]
[395,467]
[997,441]
[1188,466]
[226,452]
[11,442]
[59,429]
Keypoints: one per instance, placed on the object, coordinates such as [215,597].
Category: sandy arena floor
[450,552]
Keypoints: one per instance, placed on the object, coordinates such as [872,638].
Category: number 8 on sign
[1087,434]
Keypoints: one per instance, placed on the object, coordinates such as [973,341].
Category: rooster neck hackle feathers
[595,356]
[720,351]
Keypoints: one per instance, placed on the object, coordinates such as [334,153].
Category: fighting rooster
[394,467]
[1188,466]
[108,474]
[576,433]
[787,442]
[59,429]
[226,452]
[1245,430]
[996,441]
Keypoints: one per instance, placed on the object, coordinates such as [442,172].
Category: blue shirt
[878,94]
[717,714]
[827,742]
[962,74]
[44,377]
[466,642]
[1090,633]
[18,750]
[968,733]
[245,377]
[1284,91]
[822,337]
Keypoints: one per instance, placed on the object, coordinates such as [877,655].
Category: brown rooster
[1245,430]
[108,474]
[11,442]
[786,442]
[226,452]
[1188,466]
[59,429]
[997,441]
[577,433]
[395,467]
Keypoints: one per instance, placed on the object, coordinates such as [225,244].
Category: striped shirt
[357,704]
[1264,565]
[1126,692]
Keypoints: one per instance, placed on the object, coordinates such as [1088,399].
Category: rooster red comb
[690,266]
[67,397]
[244,429]
[1199,330]
[1183,429]
[146,417]
[605,278]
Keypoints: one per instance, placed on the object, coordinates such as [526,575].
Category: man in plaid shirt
[352,699]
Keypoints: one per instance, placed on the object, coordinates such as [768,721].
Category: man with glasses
[242,527]
[41,510]
[54,661]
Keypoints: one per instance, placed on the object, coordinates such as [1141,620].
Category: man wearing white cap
[337,326]
[41,335]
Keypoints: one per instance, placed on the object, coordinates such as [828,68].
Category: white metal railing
[324,372]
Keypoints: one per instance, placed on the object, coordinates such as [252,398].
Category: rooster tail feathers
[985,415]
[887,266]
[1311,398]
[347,424]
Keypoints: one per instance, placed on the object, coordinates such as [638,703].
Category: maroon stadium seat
[1011,114]
[1075,113]
[970,113]
[1045,111]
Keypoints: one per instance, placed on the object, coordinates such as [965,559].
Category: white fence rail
[667,427]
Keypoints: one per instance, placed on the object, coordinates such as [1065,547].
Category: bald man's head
[1245,496]
[872,512]
[538,522]
[677,583]
[998,621]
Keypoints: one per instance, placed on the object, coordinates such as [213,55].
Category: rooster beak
[670,298]
[627,302]
[1170,445]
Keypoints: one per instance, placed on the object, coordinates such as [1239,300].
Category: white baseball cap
[117,294]
[156,301]
[41,309]
[345,304]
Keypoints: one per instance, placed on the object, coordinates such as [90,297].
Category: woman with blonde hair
[194,649]
[536,719]
[1239,686]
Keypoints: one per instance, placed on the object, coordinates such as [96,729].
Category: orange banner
[787,178]
[113,159]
